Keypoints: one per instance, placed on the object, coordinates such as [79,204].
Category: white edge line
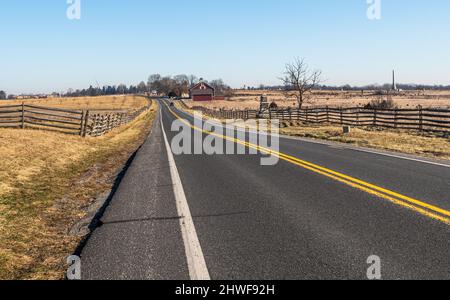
[345,147]
[401,157]
[194,254]
[324,143]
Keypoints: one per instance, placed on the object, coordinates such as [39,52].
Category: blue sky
[242,41]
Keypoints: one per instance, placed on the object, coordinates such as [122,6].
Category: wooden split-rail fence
[228,114]
[75,122]
[421,119]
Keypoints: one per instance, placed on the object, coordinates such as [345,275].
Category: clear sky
[242,41]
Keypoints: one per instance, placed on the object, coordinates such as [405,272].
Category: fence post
[328,114]
[317,116]
[85,125]
[94,125]
[342,115]
[102,122]
[114,121]
[375,117]
[307,115]
[420,118]
[357,117]
[395,118]
[23,116]
[108,124]
[82,123]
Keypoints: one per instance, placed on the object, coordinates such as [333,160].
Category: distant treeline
[156,84]
[406,87]
[179,85]
[120,89]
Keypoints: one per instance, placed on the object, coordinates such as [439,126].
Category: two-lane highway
[319,213]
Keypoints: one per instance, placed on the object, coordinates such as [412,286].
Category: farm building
[202,92]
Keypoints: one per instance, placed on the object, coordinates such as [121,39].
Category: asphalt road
[274,222]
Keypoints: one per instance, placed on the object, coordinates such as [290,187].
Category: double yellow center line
[421,207]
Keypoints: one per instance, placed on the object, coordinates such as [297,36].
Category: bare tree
[168,85]
[142,87]
[299,80]
[182,84]
[154,83]
[192,80]
[220,87]
[121,89]
[2,95]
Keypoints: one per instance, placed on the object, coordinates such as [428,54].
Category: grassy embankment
[47,183]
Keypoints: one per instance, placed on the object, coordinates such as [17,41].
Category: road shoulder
[139,236]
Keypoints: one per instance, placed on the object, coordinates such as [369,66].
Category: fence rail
[228,114]
[100,124]
[431,120]
[66,121]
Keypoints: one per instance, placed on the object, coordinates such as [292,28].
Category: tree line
[3,95]
[179,85]
[108,90]
[176,86]
[297,78]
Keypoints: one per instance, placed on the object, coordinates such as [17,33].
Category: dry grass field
[95,104]
[243,99]
[402,141]
[47,183]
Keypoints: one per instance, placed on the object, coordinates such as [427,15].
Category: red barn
[202,92]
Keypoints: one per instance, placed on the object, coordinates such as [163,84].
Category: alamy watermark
[233,137]
[374,270]
[374,10]
[73,10]
[74,270]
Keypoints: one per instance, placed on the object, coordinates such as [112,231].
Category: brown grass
[101,103]
[402,141]
[47,182]
[243,99]
[393,140]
